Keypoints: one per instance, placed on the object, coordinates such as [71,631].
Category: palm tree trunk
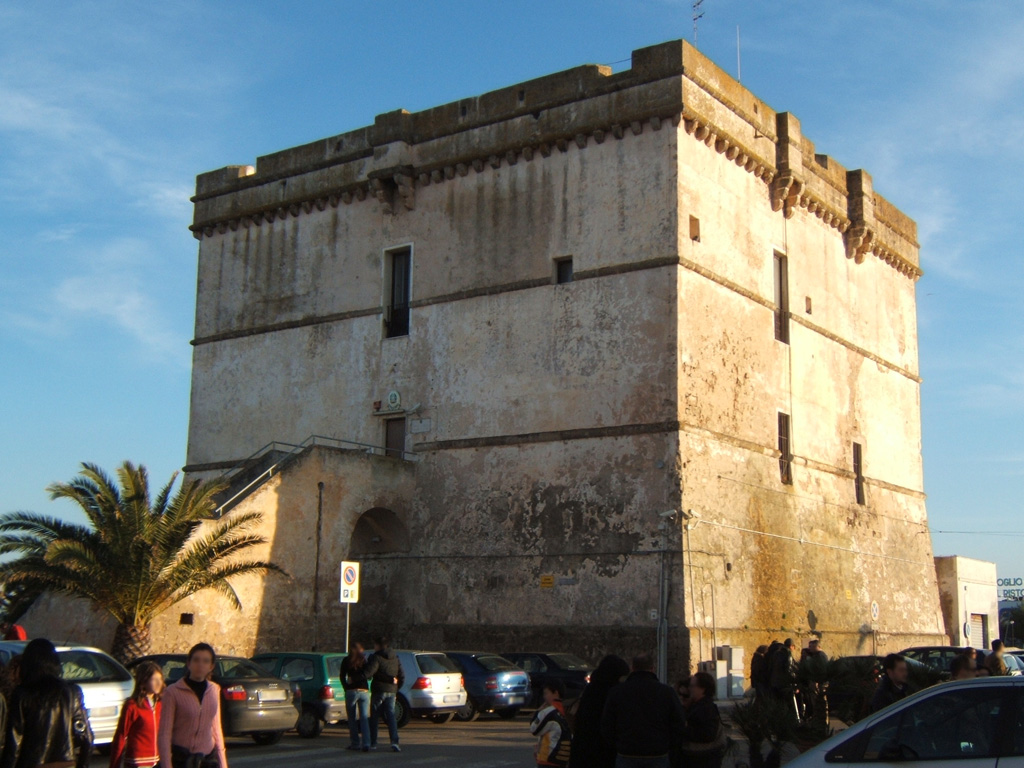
[131,642]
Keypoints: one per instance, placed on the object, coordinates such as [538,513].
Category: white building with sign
[970,600]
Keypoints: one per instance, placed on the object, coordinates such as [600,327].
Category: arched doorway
[379,531]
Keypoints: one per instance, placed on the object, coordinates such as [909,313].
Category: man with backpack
[549,725]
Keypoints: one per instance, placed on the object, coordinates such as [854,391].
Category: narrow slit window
[563,270]
[399,293]
[858,472]
[695,229]
[785,450]
[394,438]
[781,299]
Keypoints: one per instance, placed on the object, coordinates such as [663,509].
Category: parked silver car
[105,684]
[980,720]
[253,702]
[433,687]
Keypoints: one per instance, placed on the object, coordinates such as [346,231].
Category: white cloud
[109,288]
[168,199]
[114,298]
[59,235]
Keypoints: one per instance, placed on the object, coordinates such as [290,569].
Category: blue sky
[108,110]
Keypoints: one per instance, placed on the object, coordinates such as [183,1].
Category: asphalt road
[487,743]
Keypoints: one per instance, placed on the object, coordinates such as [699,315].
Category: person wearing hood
[589,749]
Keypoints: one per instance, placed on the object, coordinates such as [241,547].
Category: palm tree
[137,557]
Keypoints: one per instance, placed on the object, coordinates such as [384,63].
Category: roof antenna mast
[698,14]
[739,70]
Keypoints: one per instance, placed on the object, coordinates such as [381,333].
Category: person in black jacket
[387,681]
[356,672]
[642,718]
[760,673]
[783,670]
[703,735]
[589,748]
[893,686]
[46,719]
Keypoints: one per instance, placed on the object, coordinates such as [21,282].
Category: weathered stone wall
[790,560]
[483,251]
[65,619]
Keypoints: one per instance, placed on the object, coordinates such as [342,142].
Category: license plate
[279,695]
[516,699]
[451,698]
[103,711]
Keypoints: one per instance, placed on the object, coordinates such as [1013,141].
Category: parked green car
[318,676]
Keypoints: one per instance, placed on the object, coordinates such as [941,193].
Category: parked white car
[980,720]
[105,684]
[433,687]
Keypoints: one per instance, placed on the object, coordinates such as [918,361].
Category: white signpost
[349,593]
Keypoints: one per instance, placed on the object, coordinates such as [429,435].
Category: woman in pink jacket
[190,730]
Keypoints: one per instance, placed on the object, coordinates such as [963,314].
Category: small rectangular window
[785,450]
[396,319]
[695,229]
[186,619]
[563,270]
[781,299]
[394,438]
[858,472]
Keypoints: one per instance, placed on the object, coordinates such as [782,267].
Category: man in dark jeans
[642,718]
[387,680]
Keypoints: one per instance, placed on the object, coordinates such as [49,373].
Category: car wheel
[402,712]
[467,713]
[447,717]
[309,725]
[508,713]
[266,738]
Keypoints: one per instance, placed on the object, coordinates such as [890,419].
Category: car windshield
[236,669]
[568,661]
[496,664]
[91,667]
[435,664]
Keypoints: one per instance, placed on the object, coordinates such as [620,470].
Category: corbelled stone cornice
[528,123]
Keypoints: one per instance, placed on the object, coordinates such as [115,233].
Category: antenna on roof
[739,71]
[698,14]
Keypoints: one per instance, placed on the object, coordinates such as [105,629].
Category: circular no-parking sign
[350,582]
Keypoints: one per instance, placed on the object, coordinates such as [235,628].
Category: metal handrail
[309,442]
[248,459]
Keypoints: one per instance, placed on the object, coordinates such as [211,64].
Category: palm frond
[43,526]
[162,498]
[138,556]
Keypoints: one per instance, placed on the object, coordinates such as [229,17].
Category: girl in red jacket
[135,738]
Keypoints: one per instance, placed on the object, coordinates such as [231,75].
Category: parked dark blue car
[573,671]
[493,684]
